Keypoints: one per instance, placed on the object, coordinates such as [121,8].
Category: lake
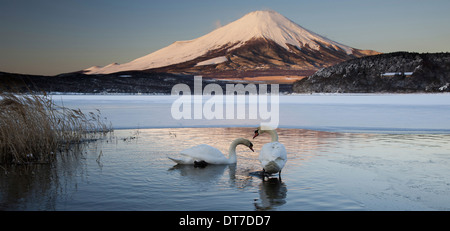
[345,152]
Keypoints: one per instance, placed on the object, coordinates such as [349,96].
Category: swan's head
[256,133]
[249,145]
[260,130]
[245,142]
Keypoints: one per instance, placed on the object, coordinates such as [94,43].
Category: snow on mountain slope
[268,25]
[216,60]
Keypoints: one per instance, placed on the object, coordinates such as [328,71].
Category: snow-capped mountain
[258,40]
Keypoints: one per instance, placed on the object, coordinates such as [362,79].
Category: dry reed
[33,128]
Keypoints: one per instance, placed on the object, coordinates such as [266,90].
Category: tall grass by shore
[33,128]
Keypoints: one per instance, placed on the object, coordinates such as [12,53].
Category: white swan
[273,155]
[204,154]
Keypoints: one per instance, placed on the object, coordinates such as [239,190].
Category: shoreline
[342,130]
[281,93]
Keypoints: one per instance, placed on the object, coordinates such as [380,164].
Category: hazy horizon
[51,37]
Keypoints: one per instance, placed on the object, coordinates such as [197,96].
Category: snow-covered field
[390,113]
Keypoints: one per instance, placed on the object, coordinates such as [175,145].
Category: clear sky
[56,36]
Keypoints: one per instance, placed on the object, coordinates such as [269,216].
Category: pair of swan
[273,155]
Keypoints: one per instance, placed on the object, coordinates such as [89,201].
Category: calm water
[129,170]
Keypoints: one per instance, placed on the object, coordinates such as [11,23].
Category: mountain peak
[274,26]
[267,25]
[262,14]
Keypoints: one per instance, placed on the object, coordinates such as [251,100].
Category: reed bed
[33,129]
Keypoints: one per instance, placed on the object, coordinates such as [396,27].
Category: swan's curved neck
[232,151]
[273,135]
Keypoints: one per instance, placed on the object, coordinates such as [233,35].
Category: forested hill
[400,72]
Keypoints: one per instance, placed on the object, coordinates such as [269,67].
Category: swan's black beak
[251,148]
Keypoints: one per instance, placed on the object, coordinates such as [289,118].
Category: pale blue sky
[57,36]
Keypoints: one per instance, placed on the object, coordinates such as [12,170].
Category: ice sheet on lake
[398,113]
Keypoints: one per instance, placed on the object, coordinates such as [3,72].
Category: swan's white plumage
[203,152]
[273,157]
[209,154]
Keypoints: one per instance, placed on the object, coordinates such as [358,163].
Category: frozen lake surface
[386,113]
[345,152]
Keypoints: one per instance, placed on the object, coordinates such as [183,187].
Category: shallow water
[129,170]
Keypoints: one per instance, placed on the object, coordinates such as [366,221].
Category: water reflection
[38,186]
[272,191]
[135,174]
[50,187]
[209,174]
[25,183]
[212,174]
[272,194]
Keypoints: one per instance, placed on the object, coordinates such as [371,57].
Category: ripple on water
[325,171]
